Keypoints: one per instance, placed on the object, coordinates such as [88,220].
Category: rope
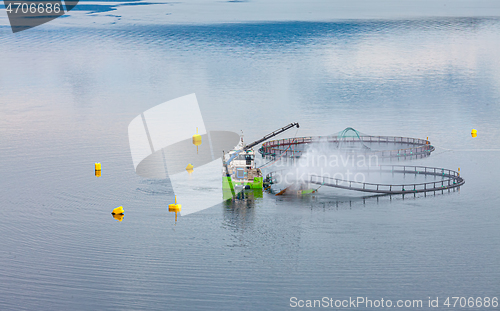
[463,150]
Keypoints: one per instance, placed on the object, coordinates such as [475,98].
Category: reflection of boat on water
[239,170]
[244,199]
[245,194]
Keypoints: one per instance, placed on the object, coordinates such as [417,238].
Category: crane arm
[268,136]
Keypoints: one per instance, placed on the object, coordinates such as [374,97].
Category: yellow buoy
[98,166]
[473,133]
[174,207]
[189,168]
[97,173]
[196,140]
[118,217]
[118,210]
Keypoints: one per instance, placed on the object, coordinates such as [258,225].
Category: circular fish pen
[350,141]
[444,179]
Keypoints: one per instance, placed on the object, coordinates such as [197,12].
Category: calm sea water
[68,95]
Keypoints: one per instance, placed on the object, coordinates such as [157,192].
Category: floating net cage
[321,163]
[432,179]
[350,141]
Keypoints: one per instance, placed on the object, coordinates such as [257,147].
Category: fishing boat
[238,165]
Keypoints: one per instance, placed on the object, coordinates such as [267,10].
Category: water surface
[68,94]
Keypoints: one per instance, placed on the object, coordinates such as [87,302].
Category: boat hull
[228,183]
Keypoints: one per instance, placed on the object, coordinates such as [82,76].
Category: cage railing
[281,147]
[451,179]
